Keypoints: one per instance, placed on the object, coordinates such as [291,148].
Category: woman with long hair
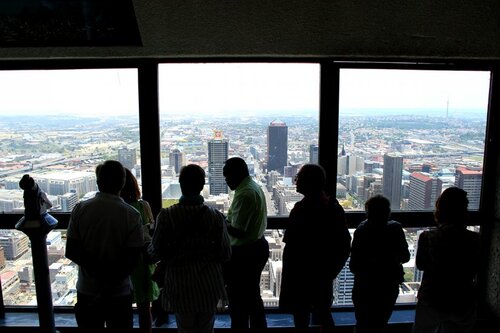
[145,289]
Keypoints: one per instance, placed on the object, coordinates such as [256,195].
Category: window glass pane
[264,113]
[57,126]
[17,275]
[410,134]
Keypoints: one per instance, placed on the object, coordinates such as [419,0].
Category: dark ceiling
[59,23]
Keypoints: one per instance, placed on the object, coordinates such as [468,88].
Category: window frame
[328,130]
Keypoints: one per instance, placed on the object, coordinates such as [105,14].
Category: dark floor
[400,322]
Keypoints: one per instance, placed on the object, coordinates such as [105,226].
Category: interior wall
[340,28]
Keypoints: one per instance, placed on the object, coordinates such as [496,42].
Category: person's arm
[74,245]
[225,245]
[46,201]
[422,258]
[74,251]
[242,212]
[404,252]
[156,247]
[355,253]
[134,249]
[236,233]
[148,213]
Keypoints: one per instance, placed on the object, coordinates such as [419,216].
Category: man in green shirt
[247,221]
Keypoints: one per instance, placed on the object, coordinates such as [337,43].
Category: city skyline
[432,145]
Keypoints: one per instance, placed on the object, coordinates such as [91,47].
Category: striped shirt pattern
[193,241]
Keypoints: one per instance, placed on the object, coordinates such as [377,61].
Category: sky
[394,89]
[243,89]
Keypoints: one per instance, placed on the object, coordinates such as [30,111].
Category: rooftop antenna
[447,106]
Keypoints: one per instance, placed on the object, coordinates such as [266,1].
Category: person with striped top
[191,239]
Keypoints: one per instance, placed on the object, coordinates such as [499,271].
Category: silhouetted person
[449,257]
[247,221]
[105,238]
[192,240]
[145,289]
[317,247]
[379,249]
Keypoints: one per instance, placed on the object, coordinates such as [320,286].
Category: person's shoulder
[131,210]
[214,214]
[362,225]
[144,203]
[250,191]
[167,210]
[394,225]
[298,205]
[472,235]
[361,229]
[86,203]
[429,233]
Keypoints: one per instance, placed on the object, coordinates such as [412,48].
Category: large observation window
[266,113]
[57,126]
[410,134]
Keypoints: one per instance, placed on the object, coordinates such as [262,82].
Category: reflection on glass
[57,125]
[409,135]
[265,113]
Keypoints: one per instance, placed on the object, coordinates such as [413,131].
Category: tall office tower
[272,179]
[369,166]
[470,181]
[424,190]
[342,152]
[291,171]
[127,157]
[391,183]
[217,155]
[349,164]
[176,160]
[342,286]
[255,152]
[2,258]
[277,146]
[313,154]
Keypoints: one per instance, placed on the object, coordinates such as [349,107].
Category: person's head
[235,170]
[26,182]
[111,177]
[130,191]
[451,207]
[191,179]
[378,208]
[97,168]
[310,179]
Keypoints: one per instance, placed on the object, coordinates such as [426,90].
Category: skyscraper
[349,164]
[424,190]
[313,154]
[277,146]
[176,160]
[217,156]
[391,183]
[127,157]
[470,181]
